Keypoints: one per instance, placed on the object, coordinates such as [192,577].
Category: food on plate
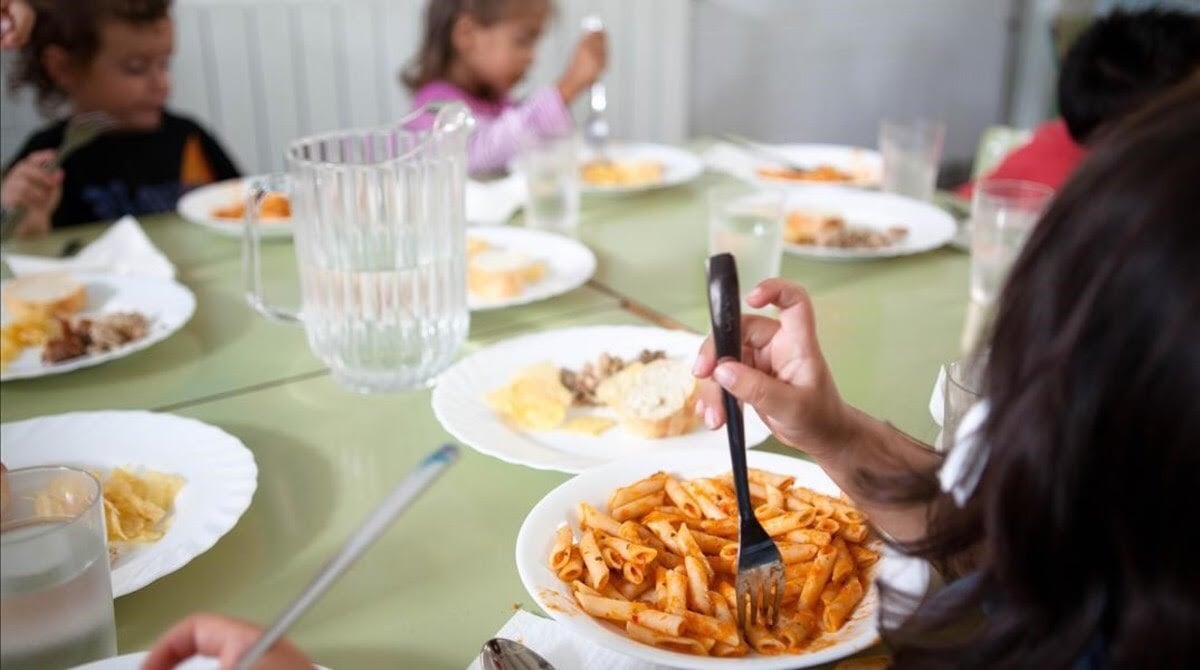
[137,504]
[652,399]
[660,561]
[584,383]
[830,230]
[16,336]
[650,395]
[34,297]
[497,273]
[621,173]
[274,206]
[820,173]
[94,335]
[535,399]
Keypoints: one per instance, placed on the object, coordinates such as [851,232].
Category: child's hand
[783,374]
[223,638]
[16,23]
[591,55]
[30,186]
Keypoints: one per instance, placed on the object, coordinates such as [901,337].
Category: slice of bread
[39,296]
[495,273]
[654,399]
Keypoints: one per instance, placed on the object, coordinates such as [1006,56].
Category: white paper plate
[167,304]
[929,226]
[569,264]
[197,206]
[537,534]
[220,472]
[679,166]
[458,400]
[134,662]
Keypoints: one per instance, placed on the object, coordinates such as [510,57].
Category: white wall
[824,70]
[260,73]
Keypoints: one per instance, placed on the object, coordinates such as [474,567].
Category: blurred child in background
[476,52]
[110,56]
[1115,66]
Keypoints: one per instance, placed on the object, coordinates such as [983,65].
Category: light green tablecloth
[431,592]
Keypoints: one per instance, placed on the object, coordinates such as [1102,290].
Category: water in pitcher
[391,320]
[56,610]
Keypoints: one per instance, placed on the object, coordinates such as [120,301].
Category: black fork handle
[725,309]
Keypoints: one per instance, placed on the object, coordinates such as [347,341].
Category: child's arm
[29,187]
[544,114]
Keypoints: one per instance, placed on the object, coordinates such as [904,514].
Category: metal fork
[595,128]
[765,153]
[760,567]
[80,131]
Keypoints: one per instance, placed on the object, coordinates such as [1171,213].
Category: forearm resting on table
[885,452]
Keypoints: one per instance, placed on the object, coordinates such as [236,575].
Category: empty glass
[380,241]
[961,389]
[551,172]
[747,223]
[56,602]
[911,153]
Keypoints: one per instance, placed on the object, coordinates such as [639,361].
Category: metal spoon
[503,654]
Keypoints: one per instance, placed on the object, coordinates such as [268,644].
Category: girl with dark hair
[1065,524]
[476,52]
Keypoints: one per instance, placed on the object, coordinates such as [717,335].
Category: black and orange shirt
[133,173]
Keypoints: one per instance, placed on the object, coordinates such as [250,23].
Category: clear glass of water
[380,243]
[911,153]
[56,602]
[551,170]
[747,223]
[1003,212]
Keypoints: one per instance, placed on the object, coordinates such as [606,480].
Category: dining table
[443,579]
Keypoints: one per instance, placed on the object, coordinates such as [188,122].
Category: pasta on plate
[660,561]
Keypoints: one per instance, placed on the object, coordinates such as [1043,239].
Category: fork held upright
[725,308]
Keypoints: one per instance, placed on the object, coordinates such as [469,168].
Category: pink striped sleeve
[496,142]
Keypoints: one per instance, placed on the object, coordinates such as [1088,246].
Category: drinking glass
[961,389]
[911,153]
[380,243]
[551,171]
[56,602]
[747,223]
[1003,212]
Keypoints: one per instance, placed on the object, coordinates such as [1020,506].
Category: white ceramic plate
[865,164]
[197,206]
[537,534]
[679,166]
[458,400]
[568,263]
[167,304]
[134,662]
[220,472]
[929,226]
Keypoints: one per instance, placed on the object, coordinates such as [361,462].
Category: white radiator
[260,73]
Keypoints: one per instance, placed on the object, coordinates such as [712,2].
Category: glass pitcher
[380,240]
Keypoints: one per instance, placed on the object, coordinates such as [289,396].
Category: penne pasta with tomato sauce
[660,559]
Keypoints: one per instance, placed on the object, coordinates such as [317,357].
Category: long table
[443,580]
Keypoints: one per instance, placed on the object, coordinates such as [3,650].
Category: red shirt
[1048,158]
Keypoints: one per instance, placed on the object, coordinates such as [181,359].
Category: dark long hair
[1079,525]
[433,59]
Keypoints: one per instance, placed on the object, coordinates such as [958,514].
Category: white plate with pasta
[657,613]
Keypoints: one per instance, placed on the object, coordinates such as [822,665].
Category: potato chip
[135,505]
[534,400]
